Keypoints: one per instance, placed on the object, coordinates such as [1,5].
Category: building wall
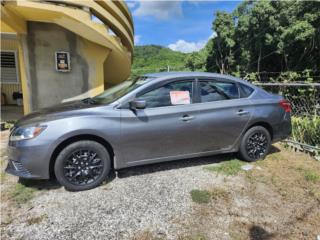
[48,86]
[9,88]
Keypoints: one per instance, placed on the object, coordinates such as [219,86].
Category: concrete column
[24,73]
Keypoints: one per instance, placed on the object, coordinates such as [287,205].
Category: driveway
[203,198]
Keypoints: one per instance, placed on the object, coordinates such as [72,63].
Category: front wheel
[255,144]
[82,165]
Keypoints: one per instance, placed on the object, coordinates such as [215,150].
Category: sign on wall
[62,61]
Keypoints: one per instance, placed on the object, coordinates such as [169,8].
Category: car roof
[189,74]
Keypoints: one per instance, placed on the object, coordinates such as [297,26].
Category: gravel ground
[154,198]
[140,199]
[154,202]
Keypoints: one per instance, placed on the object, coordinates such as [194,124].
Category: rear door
[222,114]
[167,127]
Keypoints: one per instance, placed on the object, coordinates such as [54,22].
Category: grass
[196,237]
[311,176]
[229,168]
[2,177]
[204,196]
[36,220]
[219,193]
[200,196]
[21,194]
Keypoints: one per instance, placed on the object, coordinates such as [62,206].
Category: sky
[184,25]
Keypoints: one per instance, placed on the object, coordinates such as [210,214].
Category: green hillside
[153,58]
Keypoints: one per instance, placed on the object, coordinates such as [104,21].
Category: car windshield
[118,91]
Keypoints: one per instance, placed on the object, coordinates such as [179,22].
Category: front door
[166,128]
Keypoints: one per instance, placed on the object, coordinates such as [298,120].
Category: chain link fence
[305,102]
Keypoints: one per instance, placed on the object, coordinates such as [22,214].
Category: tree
[221,55]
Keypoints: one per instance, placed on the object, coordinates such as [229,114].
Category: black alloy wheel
[255,144]
[82,165]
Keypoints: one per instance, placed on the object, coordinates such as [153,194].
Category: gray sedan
[154,118]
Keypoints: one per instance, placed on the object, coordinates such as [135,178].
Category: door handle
[186,118]
[241,112]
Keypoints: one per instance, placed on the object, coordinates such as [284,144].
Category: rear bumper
[282,130]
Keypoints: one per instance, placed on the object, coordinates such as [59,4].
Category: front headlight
[23,133]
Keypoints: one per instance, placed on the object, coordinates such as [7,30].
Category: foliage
[265,36]
[228,168]
[196,61]
[152,58]
[306,130]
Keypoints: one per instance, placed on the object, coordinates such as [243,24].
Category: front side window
[211,91]
[171,94]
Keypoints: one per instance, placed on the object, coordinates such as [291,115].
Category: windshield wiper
[89,101]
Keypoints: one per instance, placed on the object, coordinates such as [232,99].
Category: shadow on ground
[177,164]
[145,169]
[40,184]
[258,233]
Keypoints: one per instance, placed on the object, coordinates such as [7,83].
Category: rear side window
[246,91]
[211,91]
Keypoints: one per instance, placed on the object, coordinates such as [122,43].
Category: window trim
[161,84]
[202,79]
[17,82]
[242,94]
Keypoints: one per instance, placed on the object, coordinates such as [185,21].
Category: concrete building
[54,51]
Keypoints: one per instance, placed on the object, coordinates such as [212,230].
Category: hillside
[153,58]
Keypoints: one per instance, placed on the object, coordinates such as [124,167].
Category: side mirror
[138,104]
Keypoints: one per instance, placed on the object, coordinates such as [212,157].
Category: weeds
[311,176]
[229,168]
[36,220]
[200,196]
[196,237]
[204,196]
[21,194]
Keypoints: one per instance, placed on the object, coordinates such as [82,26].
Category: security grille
[9,71]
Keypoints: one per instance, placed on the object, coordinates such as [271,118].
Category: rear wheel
[255,144]
[82,165]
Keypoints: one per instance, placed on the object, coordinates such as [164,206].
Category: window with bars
[9,71]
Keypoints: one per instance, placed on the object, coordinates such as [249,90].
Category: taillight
[285,105]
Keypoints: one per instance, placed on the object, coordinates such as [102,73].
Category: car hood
[55,112]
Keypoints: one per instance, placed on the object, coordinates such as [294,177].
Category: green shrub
[306,130]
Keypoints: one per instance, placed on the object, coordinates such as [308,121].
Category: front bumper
[28,159]
[17,169]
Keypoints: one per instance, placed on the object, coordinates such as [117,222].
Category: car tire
[82,165]
[255,144]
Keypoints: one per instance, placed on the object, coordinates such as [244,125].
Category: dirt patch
[277,199]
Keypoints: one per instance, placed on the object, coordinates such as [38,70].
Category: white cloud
[131,4]
[214,34]
[137,39]
[161,10]
[187,47]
